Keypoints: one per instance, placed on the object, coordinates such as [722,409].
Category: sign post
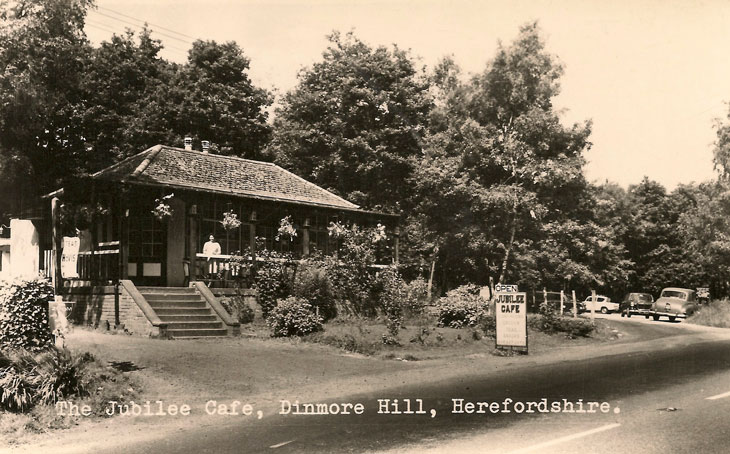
[510,309]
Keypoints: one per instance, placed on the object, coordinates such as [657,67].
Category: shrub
[41,378]
[392,295]
[417,297]
[273,279]
[238,309]
[293,317]
[550,323]
[24,315]
[313,284]
[488,325]
[462,307]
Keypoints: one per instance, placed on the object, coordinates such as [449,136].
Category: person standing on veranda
[211,248]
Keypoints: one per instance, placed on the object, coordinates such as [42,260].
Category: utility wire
[106,27]
[140,20]
[142,27]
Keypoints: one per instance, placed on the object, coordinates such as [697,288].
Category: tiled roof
[175,167]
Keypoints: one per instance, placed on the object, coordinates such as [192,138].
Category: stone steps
[185,311]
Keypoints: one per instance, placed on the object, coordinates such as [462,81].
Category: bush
[488,325]
[313,284]
[417,297]
[293,317]
[273,279]
[462,307]
[41,379]
[238,309]
[24,315]
[549,322]
[392,296]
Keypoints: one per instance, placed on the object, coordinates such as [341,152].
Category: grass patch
[716,314]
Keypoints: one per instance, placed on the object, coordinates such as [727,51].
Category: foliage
[24,314]
[74,216]
[43,50]
[238,309]
[461,307]
[488,325]
[274,278]
[717,313]
[68,109]
[349,270]
[286,229]
[392,295]
[313,284]
[356,117]
[498,164]
[293,317]
[163,210]
[550,322]
[41,379]
[230,221]
[416,297]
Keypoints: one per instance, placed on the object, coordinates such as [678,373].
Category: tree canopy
[68,109]
[354,123]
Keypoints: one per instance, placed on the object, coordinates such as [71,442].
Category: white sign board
[69,257]
[511,316]
[505,288]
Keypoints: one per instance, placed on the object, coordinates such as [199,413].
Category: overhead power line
[110,29]
[142,27]
[140,20]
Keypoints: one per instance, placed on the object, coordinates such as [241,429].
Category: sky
[653,76]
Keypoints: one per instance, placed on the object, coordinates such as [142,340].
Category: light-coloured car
[603,304]
[674,302]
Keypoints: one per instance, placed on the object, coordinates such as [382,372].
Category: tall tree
[212,98]
[499,165]
[355,122]
[120,83]
[43,50]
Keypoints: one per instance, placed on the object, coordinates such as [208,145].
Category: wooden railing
[222,270]
[219,269]
[99,265]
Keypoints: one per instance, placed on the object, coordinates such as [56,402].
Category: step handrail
[142,303]
[213,301]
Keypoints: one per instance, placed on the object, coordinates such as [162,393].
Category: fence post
[562,295]
[593,304]
[575,306]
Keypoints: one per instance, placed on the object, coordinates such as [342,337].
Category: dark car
[636,304]
[674,303]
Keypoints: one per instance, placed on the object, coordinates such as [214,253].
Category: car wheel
[604,310]
[646,317]
[671,319]
[655,317]
[628,315]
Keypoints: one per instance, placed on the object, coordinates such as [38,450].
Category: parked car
[674,302]
[603,304]
[636,304]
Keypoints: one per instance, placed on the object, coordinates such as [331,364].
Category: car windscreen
[645,297]
[674,294]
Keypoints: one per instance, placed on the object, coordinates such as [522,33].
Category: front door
[147,249]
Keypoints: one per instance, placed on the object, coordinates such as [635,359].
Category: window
[146,237]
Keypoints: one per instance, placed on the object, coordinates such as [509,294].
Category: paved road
[657,402]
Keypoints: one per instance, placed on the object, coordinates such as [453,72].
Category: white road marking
[279,445]
[719,396]
[570,437]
